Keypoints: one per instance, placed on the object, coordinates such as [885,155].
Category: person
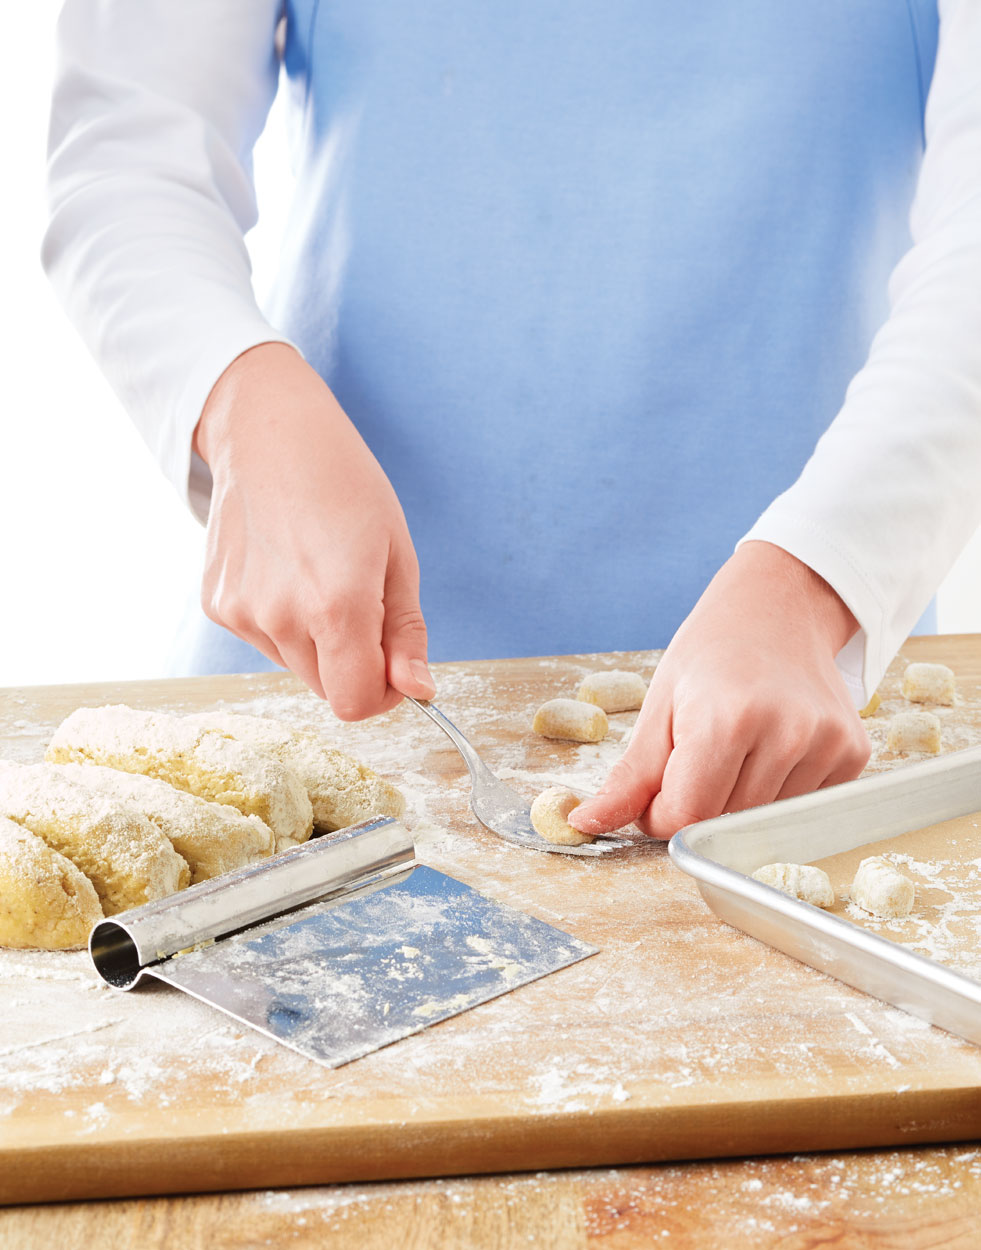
[627,324]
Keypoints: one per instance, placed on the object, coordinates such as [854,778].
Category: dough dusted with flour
[212,837]
[881,889]
[803,881]
[614,690]
[45,902]
[914,731]
[571,719]
[929,683]
[133,806]
[124,855]
[550,817]
[342,791]
[203,761]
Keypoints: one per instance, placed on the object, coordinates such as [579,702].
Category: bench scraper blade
[388,948]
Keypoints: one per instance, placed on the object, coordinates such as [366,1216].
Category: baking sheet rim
[926,988]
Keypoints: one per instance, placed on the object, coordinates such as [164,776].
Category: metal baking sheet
[720,854]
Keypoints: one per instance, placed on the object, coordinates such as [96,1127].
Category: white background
[99,555]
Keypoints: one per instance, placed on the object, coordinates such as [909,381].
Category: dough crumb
[914,731]
[929,683]
[881,889]
[614,690]
[571,719]
[871,707]
[803,881]
[549,817]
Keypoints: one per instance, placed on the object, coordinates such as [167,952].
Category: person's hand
[746,705]
[308,555]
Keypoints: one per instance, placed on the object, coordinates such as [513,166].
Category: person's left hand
[746,705]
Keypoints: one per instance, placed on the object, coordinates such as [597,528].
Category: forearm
[273,424]
[890,495]
[786,587]
[150,191]
[308,556]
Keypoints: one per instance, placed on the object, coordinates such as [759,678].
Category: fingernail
[577,818]
[420,671]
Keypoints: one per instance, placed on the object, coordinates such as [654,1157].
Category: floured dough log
[549,817]
[571,719]
[929,683]
[613,690]
[914,731]
[124,855]
[342,791]
[45,902]
[871,707]
[202,761]
[803,881]
[212,837]
[881,889]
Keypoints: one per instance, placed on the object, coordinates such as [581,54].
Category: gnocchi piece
[803,881]
[914,731]
[549,817]
[871,707]
[929,683]
[613,690]
[881,889]
[571,719]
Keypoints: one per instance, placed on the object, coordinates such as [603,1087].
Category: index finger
[350,659]
[701,773]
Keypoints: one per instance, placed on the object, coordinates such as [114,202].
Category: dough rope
[45,901]
[342,791]
[202,761]
[212,837]
[124,855]
[132,806]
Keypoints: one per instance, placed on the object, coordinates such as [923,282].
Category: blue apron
[591,279]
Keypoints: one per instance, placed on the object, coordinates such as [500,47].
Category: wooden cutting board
[682,1039]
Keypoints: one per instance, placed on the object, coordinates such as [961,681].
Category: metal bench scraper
[336,948]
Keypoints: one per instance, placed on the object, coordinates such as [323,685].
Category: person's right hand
[308,555]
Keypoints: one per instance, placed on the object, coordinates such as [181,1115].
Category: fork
[499,808]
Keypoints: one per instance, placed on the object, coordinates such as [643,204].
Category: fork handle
[475,765]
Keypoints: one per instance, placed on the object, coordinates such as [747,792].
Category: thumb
[404,638]
[627,792]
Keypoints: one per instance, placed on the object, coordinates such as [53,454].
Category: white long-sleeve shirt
[893,490]
[156,109]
